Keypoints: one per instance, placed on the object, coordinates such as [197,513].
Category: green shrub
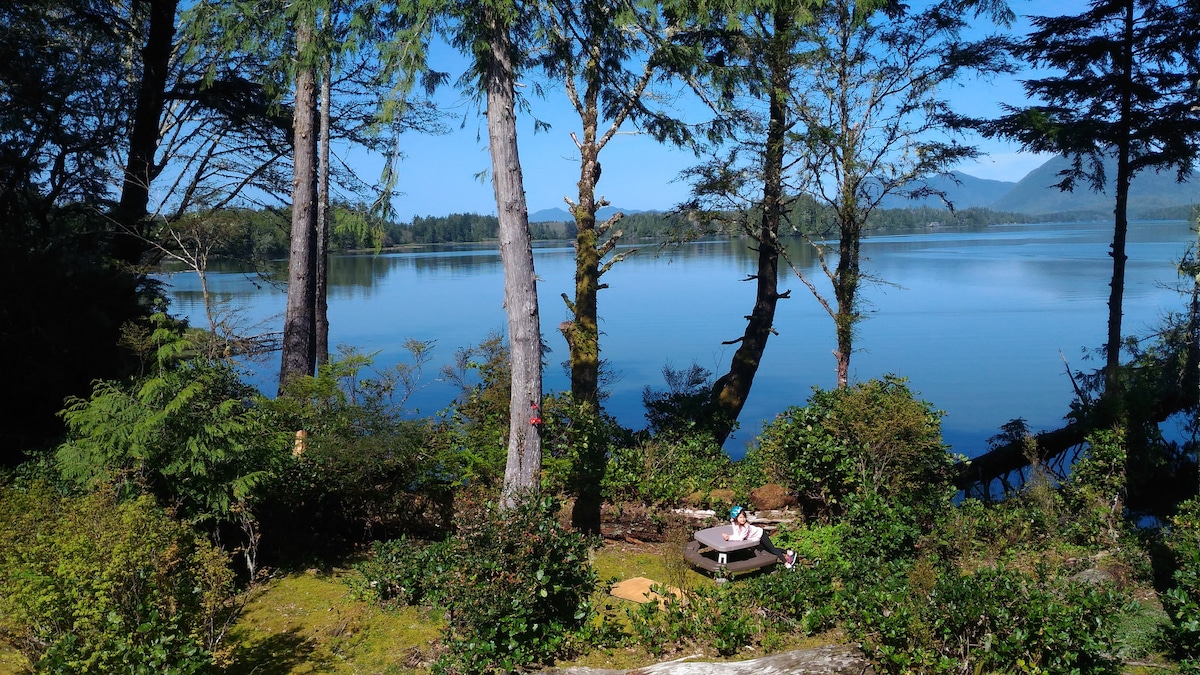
[917,618]
[1182,599]
[96,585]
[405,572]
[663,471]
[191,433]
[870,438]
[816,544]
[1095,491]
[803,597]
[514,583]
[577,439]
[471,438]
[880,530]
[366,471]
[990,531]
[726,618]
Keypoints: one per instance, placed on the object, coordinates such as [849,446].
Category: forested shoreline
[264,233]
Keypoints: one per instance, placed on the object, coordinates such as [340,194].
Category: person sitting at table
[744,531]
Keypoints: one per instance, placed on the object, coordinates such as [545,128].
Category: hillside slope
[1035,194]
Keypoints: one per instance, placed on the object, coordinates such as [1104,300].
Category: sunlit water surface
[982,323]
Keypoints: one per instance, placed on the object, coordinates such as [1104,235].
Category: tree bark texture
[521,473]
[140,169]
[731,390]
[299,327]
[321,286]
[583,332]
[583,339]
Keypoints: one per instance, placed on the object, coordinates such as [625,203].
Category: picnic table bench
[730,556]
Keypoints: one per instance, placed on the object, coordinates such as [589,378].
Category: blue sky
[440,173]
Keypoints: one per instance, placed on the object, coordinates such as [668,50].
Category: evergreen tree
[1122,85]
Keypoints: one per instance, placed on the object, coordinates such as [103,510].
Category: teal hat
[733,513]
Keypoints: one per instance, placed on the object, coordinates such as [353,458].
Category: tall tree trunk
[522,472]
[583,332]
[1120,220]
[321,287]
[140,170]
[299,327]
[730,391]
[845,289]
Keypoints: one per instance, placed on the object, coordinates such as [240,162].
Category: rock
[828,660]
[1094,576]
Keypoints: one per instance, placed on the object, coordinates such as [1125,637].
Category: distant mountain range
[1035,194]
[562,216]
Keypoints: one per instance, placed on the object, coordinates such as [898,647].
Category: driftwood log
[828,660]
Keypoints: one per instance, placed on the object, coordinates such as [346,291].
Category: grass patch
[12,662]
[308,623]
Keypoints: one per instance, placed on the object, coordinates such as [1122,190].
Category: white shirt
[745,532]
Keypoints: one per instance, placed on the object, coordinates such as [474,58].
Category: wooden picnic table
[699,552]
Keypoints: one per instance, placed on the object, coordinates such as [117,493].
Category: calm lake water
[979,321]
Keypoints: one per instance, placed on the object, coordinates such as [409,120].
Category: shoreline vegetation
[381,544]
[263,234]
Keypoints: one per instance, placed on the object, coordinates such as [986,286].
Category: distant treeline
[264,233]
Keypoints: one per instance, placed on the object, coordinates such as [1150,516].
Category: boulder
[827,660]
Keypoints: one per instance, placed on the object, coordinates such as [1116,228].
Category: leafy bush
[473,433]
[725,618]
[879,530]
[663,471]
[364,471]
[515,585]
[685,407]
[915,617]
[191,433]
[577,439]
[871,438]
[818,545]
[1095,492]
[1182,599]
[804,596]
[96,585]
[404,572]
[992,531]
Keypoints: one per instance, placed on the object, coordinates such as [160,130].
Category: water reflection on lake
[979,321]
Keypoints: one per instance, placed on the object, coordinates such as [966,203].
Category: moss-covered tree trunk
[845,287]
